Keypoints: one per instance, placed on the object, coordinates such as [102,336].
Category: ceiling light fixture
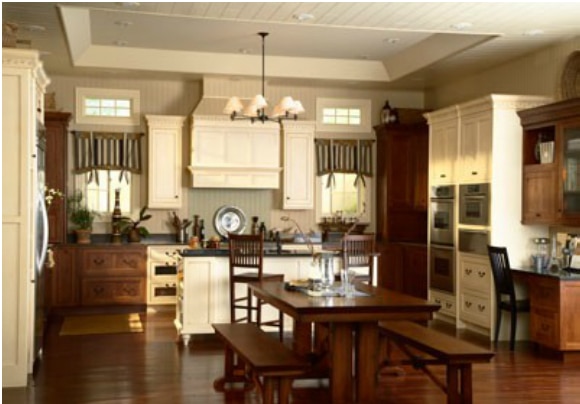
[533,32]
[302,17]
[287,108]
[462,26]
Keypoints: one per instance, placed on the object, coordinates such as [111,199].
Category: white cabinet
[447,301]
[443,132]
[235,154]
[165,166]
[162,273]
[476,302]
[475,147]
[23,86]
[298,165]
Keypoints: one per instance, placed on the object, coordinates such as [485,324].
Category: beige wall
[535,74]
[173,97]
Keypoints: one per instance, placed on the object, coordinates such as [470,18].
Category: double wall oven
[441,234]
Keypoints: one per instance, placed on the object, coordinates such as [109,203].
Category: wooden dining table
[353,330]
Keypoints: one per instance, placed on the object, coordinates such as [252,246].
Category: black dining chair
[505,292]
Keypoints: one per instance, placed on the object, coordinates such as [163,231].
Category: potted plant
[81,216]
[132,228]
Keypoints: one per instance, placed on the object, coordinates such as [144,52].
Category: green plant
[80,215]
[127,224]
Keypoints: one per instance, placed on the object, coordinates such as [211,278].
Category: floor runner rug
[101,324]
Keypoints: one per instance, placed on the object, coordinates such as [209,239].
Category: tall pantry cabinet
[23,85]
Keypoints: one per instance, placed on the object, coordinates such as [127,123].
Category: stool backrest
[500,266]
[358,251]
[246,251]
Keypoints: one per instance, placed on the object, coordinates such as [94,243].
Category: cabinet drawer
[544,327]
[475,274]
[544,293]
[447,303]
[475,309]
[112,291]
[162,292]
[104,262]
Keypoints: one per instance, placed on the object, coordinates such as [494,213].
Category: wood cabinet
[112,276]
[551,187]
[554,307]
[165,166]
[443,132]
[62,280]
[475,147]
[56,125]
[404,268]
[476,302]
[298,192]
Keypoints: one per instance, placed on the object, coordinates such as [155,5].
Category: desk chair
[358,250]
[504,287]
[246,253]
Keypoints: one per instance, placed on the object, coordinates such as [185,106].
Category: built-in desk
[555,304]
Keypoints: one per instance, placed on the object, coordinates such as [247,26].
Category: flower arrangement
[50,194]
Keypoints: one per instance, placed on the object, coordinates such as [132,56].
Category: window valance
[107,151]
[344,156]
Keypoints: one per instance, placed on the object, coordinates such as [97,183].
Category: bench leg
[268,390]
[284,389]
[233,373]
[459,384]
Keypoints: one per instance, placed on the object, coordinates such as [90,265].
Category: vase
[134,236]
[83,236]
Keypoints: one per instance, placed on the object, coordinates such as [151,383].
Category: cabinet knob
[474,173]
[176,196]
[442,176]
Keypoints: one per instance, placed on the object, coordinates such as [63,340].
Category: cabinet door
[539,194]
[165,167]
[415,271]
[443,152]
[391,267]
[63,279]
[570,152]
[195,301]
[298,168]
[475,148]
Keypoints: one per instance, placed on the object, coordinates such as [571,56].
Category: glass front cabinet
[551,164]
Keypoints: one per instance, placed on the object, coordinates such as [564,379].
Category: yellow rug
[101,324]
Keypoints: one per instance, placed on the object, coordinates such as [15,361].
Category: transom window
[341,116]
[107,106]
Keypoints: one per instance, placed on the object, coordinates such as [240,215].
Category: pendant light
[287,108]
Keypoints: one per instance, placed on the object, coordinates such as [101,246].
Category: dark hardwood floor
[151,367]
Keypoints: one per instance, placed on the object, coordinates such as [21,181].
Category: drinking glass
[347,277]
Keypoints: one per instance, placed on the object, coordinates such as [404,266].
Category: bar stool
[358,251]
[246,264]
[504,286]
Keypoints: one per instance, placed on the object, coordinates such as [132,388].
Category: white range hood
[232,154]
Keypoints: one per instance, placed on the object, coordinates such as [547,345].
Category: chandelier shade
[287,108]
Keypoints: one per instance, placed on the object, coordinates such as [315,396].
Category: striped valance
[344,156]
[107,151]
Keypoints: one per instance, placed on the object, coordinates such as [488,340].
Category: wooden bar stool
[246,265]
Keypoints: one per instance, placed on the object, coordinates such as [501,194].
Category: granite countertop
[562,274]
[220,252]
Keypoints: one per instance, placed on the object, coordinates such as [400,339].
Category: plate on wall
[229,219]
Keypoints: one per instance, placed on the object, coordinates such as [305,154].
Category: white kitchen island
[203,289]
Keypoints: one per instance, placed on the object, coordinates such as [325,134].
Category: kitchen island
[203,286]
[554,303]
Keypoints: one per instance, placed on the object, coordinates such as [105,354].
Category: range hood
[232,154]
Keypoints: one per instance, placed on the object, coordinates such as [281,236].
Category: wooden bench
[442,349]
[258,356]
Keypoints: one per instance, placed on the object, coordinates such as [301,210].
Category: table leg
[367,345]
[341,368]
[302,338]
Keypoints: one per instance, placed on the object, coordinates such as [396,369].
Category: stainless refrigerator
[40,251]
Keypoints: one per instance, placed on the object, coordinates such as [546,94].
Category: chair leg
[514,315]
[497,323]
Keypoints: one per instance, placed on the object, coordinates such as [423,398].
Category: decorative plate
[229,219]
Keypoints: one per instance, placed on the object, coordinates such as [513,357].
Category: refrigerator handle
[42,255]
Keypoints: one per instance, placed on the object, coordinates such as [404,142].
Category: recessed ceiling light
[129,4]
[462,26]
[302,17]
[120,42]
[391,40]
[124,23]
[533,32]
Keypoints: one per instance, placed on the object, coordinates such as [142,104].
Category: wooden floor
[151,367]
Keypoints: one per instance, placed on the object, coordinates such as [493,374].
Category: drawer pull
[438,301]
[448,305]
[98,261]
[481,273]
[130,263]
[442,176]
[468,304]
[481,307]
[98,290]
[545,327]
[474,173]
[468,271]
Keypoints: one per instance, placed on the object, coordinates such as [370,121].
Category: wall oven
[442,268]
[442,209]
[474,204]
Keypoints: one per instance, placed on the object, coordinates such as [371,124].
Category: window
[343,197]
[343,115]
[101,196]
[107,106]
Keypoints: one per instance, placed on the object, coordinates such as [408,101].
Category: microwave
[474,204]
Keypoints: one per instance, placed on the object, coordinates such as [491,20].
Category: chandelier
[287,108]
